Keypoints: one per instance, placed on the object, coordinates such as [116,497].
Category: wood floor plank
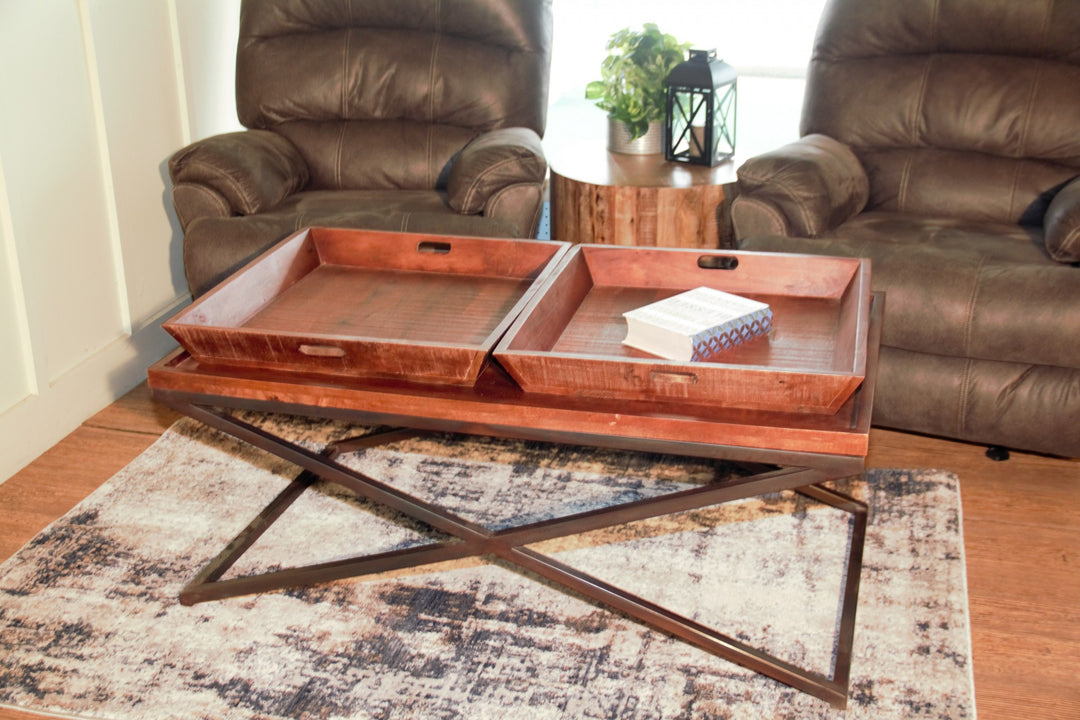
[1021,520]
[136,412]
[62,477]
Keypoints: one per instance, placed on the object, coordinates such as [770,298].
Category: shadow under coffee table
[784,451]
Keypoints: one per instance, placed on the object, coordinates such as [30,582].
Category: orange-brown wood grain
[635,215]
[348,302]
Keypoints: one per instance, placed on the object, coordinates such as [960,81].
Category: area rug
[90,625]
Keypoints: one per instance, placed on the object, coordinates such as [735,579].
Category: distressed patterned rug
[90,626]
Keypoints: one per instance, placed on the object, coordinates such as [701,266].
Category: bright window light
[767,41]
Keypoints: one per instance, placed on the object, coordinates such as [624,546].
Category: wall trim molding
[39,421]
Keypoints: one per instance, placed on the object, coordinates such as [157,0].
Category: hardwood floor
[1021,530]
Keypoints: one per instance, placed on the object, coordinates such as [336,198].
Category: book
[696,325]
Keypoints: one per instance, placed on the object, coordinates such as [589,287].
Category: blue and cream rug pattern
[90,625]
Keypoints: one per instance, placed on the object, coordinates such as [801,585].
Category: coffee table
[784,451]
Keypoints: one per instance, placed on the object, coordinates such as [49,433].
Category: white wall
[97,94]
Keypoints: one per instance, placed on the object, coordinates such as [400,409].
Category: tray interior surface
[818,304]
[328,301]
[409,306]
[804,335]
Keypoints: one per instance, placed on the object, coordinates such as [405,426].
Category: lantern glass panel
[724,123]
[700,120]
[689,119]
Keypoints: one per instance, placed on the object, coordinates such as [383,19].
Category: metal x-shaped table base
[471,540]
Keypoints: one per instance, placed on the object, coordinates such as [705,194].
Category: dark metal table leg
[468,539]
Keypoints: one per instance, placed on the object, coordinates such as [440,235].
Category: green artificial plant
[631,87]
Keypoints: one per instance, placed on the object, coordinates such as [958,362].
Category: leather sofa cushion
[377,61]
[1035,407]
[383,95]
[376,154]
[1044,29]
[963,108]
[960,290]
[972,186]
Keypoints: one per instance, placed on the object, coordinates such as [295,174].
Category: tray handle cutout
[717,262]
[330,351]
[671,376]
[433,247]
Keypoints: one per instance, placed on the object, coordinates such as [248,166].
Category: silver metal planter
[648,144]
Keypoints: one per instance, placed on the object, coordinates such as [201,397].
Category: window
[767,41]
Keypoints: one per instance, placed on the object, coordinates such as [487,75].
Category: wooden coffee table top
[495,405]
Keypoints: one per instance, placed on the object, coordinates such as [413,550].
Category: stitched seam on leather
[969,318]
[339,155]
[778,217]
[935,25]
[1047,21]
[228,180]
[492,206]
[962,398]
[768,208]
[473,189]
[1028,111]
[905,175]
[345,64]
[214,196]
[1071,239]
[431,93]
[800,206]
[491,210]
[344,98]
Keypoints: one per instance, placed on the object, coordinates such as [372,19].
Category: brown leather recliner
[412,115]
[941,139]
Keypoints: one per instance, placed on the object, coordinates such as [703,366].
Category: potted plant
[631,87]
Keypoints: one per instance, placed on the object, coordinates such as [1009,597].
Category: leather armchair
[941,139]
[413,115]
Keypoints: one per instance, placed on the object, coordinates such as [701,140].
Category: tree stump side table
[602,197]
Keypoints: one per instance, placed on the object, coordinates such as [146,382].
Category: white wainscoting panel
[96,99]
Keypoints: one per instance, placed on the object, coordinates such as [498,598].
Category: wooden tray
[568,340]
[422,308]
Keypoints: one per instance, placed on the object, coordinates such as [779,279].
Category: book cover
[698,324]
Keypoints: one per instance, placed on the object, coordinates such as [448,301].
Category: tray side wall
[213,331]
[527,353]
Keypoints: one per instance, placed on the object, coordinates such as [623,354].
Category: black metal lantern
[699,120]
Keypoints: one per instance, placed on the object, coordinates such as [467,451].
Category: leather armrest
[1061,225]
[491,162]
[252,170]
[813,184]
